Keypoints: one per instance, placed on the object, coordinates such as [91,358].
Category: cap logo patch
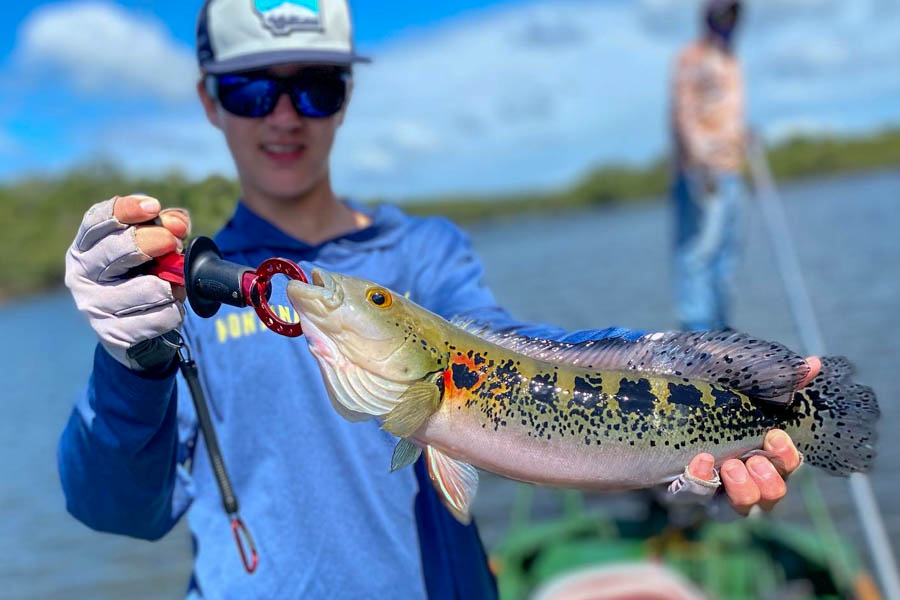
[282,17]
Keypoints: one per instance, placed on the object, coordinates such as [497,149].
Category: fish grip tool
[210,281]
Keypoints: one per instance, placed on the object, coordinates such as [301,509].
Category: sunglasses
[315,93]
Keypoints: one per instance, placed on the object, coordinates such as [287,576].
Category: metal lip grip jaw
[211,281]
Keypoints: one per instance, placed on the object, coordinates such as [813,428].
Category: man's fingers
[176,222]
[815,367]
[156,241]
[771,485]
[702,466]
[740,488]
[779,444]
[759,481]
[135,209]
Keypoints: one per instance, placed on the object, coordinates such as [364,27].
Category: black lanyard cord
[216,460]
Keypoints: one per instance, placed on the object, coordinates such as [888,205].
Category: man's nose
[284,113]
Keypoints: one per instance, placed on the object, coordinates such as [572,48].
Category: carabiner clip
[239,529]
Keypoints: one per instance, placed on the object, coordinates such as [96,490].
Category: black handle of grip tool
[204,421]
[210,280]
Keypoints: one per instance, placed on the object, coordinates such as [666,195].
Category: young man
[328,517]
[709,135]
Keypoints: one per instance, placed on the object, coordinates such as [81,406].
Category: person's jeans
[707,232]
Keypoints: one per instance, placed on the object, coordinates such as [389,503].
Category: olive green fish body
[594,429]
[603,414]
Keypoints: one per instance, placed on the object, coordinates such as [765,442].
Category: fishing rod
[801,306]
[211,281]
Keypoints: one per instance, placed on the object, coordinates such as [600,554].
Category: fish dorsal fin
[740,362]
[456,482]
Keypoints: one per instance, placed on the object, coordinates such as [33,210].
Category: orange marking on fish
[463,377]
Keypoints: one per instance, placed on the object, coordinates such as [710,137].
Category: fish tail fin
[836,429]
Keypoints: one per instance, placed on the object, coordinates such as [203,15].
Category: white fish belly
[512,452]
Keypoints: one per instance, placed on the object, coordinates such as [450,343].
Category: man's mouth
[283,152]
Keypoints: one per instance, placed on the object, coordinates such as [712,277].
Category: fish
[600,415]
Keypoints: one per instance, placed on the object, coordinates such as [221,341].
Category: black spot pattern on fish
[463,376]
[412,333]
[588,386]
[685,395]
[543,390]
[561,403]
[635,396]
[725,398]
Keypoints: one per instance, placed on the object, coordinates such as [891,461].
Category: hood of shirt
[247,232]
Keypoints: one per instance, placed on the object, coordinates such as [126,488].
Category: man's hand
[758,481]
[123,309]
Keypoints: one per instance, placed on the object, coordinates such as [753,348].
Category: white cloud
[533,94]
[107,50]
[511,97]
[515,97]
[179,142]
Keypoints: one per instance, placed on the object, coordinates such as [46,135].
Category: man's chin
[286,189]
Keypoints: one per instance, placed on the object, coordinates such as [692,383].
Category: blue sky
[463,96]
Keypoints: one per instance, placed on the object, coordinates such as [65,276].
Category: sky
[462,97]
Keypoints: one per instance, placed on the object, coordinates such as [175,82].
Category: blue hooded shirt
[329,519]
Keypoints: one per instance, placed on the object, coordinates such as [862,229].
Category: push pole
[811,337]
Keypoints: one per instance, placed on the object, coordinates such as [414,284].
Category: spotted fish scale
[554,409]
[606,414]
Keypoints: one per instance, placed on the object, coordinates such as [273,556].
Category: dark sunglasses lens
[319,96]
[247,97]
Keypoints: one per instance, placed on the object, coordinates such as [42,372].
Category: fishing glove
[128,312]
[688,489]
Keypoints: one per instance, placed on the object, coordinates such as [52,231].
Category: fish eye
[379,297]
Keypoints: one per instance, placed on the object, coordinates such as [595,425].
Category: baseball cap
[242,35]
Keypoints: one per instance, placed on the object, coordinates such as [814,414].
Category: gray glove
[127,313]
[690,489]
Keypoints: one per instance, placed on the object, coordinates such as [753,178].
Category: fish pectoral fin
[405,454]
[455,481]
[418,402]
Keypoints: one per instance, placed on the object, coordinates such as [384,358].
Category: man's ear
[209,105]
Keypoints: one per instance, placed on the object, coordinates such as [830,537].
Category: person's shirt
[708,108]
[329,518]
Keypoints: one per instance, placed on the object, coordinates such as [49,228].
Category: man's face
[280,156]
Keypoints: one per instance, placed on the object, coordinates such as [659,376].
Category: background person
[328,517]
[707,192]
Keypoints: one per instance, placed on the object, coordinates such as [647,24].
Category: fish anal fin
[405,454]
[417,403]
[456,482]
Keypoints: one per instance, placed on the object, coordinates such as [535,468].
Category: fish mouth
[320,293]
[315,302]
